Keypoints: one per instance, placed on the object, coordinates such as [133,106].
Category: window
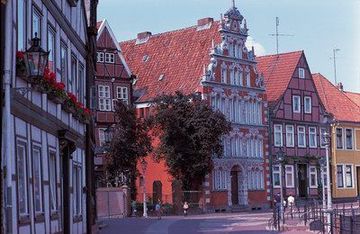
[100,57]
[21,25]
[104,98]
[220,179]
[324,177]
[301,136]
[122,94]
[22,178]
[289,176]
[313,177]
[37,178]
[276,176]
[80,83]
[339,138]
[339,176]
[36,23]
[278,141]
[296,104]
[248,78]
[51,48]
[322,139]
[349,138]
[348,176]
[312,137]
[101,136]
[64,63]
[289,135]
[77,187]
[72,80]
[223,75]
[307,105]
[109,58]
[52,180]
[302,73]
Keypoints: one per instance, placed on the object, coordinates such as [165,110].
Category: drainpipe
[2,45]
[270,156]
[8,67]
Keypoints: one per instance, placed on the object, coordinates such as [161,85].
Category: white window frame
[276,172]
[294,98]
[23,145]
[312,132]
[352,139]
[52,181]
[122,93]
[301,73]
[291,134]
[109,58]
[307,107]
[77,188]
[101,134]
[220,179]
[316,176]
[100,57]
[104,98]
[292,182]
[322,140]
[36,162]
[278,131]
[298,136]
[344,175]
[342,139]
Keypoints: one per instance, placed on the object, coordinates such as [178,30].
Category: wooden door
[302,179]
[234,188]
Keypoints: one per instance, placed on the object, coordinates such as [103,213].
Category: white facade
[36,130]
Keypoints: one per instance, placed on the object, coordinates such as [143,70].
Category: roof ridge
[285,53]
[166,32]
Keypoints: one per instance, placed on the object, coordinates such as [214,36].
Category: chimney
[204,21]
[340,86]
[143,37]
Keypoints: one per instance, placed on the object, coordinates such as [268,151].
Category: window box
[56,99]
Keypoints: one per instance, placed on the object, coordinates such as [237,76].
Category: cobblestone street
[243,223]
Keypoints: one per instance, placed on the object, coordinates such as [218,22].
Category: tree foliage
[190,135]
[130,142]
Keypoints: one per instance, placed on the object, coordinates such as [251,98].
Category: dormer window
[302,73]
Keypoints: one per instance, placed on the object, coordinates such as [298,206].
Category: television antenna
[277,34]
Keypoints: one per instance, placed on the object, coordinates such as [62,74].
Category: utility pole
[334,58]
[277,34]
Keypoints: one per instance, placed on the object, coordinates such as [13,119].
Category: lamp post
[326,138]
[36,59]
[280,157]
[143,167]
[322,162]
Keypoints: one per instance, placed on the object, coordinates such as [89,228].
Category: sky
[315,26]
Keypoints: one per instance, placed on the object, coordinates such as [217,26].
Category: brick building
[210,58]
[296,125]
[112,84]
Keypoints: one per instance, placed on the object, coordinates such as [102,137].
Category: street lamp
[280,158]
[326,138]
[36,59]
[322,162]
[143,167]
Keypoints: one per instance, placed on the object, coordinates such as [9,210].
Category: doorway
[358,180]
[302,180]
[234,174]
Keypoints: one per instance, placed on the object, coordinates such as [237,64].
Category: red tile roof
[355,97]
[278,71]
[336,102]
[180,56]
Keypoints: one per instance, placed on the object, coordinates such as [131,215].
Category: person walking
[185,207]
[158,209]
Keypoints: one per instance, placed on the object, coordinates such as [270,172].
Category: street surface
[244,223]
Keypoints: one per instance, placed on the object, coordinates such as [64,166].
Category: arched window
[223,74]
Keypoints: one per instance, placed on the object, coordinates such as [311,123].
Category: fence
[341,219]
[112,202]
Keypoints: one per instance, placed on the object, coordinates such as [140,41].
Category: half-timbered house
[296,126]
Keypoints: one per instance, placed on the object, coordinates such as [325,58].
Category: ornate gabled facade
[216,63]
[233,86]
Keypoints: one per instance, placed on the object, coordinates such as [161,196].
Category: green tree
[190,135]
[130,142]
